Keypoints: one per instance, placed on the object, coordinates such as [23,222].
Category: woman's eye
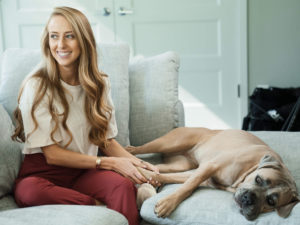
[258,180]
[270,201]
[53,36]
[69,36]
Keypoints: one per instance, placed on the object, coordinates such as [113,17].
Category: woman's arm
[118,159]
[58,156]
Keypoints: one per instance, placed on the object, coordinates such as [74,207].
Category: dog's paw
[165,206]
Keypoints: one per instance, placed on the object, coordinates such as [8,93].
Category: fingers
[140,177]
[153,182]
[148,166]
[152,168]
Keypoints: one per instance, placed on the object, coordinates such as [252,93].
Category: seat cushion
[10,154]
[153,96]
[62,214]
[113,60]
[286,144]
[7,202]
[215,207]
[210,207]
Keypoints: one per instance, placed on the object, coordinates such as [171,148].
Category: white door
[24,20]
[205,33]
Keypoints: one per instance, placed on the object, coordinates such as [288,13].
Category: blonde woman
[65,114]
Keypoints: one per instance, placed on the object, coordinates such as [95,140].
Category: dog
[231,160]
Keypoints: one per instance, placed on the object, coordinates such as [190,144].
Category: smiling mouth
[63,54]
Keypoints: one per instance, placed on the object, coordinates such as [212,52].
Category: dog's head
[269,187]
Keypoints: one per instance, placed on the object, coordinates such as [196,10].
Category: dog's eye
[270,201]
[258,180]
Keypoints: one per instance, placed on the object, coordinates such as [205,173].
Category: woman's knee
[27,191]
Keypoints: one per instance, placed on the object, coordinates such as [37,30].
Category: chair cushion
[7,202]
[10,154]
[113,60]
[153,96]
[216,207]
[286,144]
[62,214]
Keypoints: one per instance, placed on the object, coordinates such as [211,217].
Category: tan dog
[231,160]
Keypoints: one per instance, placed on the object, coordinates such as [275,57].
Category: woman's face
[63,43]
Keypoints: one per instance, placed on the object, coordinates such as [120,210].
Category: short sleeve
[42,135]
[112,126]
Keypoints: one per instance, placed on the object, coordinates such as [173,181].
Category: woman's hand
[127,167]
[148,166]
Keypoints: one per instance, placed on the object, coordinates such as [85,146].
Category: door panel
[24,20]
[206,35]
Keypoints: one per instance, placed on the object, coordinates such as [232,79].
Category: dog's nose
[248,198]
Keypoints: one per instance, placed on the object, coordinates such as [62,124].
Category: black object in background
[273,108]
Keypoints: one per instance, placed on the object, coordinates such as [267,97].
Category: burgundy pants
[39,184]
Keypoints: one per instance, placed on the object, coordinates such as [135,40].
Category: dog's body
[231,160]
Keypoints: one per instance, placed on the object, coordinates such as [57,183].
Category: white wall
[274,43]
[1,30]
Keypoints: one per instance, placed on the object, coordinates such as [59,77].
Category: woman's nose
[61,43]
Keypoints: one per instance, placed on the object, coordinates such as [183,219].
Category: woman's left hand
[148,166]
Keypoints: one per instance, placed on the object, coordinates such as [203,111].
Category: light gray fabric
[287,145]
[180,109]
[10,154]
[16,64]
[216,207]
[153,97]
[113,60]
[211,207]
[62,214]
[7,202]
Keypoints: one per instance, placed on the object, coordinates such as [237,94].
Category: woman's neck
[69,75]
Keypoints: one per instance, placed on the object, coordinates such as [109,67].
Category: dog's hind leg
[177,140]
[177,163]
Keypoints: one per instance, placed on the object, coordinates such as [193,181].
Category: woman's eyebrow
[55,32]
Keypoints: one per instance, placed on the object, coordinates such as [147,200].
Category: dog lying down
[231,160]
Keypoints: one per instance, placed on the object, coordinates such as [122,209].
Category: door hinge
[239,90]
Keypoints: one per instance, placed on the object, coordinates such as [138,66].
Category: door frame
[243,59]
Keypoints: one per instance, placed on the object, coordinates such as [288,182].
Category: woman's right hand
[126,167]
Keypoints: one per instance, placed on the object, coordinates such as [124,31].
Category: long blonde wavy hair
[91,79]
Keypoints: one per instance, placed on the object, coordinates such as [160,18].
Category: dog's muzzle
[248,203]
[248,198]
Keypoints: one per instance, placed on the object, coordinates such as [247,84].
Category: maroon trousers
[39,184]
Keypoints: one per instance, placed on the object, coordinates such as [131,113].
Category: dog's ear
[284,211]
[269,161]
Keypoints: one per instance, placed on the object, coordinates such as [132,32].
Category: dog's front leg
[168,204]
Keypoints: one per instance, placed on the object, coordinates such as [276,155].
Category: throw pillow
[10,153]
[113,60]
[153,97]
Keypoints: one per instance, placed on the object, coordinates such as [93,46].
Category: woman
[65,114]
